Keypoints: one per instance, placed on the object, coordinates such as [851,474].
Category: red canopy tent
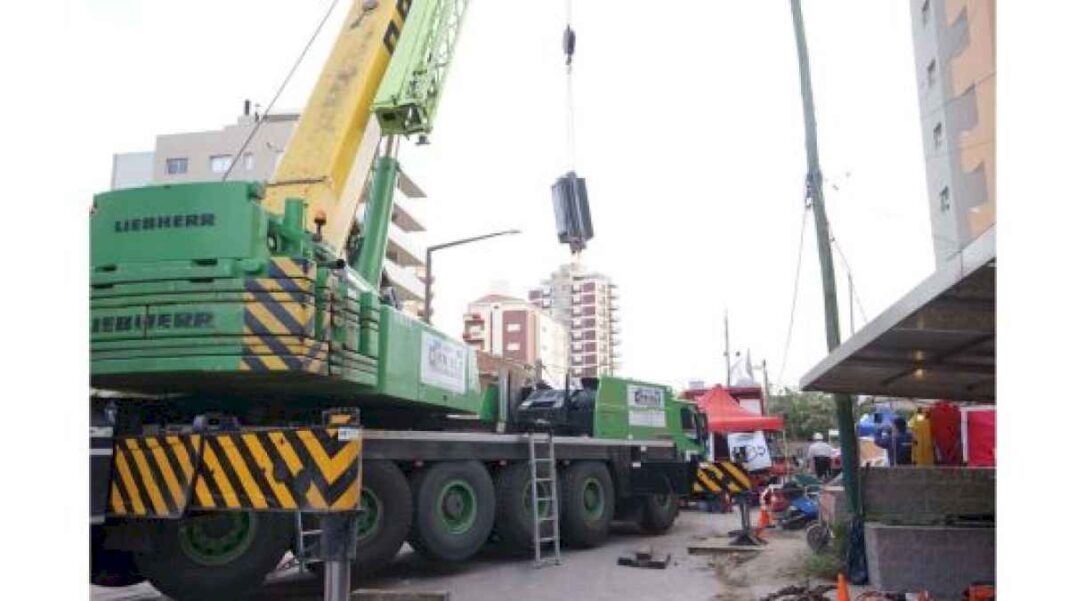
[726,415]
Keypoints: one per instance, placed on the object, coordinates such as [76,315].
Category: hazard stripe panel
[284,469]
[279,321]
[719,476]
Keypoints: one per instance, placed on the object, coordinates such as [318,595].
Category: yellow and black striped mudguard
[716,477]
[312,469]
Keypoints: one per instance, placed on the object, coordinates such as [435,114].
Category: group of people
[895,437]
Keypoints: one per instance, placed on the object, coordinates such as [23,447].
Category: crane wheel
[514,521]
[658,513]
[384,519]
[111,567]
[588,501]
[215,555]
[454,509]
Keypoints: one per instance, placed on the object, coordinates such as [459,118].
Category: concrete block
[941,560]
[928,492]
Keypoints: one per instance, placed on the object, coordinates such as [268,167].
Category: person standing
[819,456]
[897,442]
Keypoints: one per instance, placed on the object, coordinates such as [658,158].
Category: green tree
[805,413]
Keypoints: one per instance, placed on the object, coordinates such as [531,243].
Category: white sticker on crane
[347,434]
[443,363]
[645,406]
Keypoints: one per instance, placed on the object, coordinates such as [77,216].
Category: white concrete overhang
[937,342]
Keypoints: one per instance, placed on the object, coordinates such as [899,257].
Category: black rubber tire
[388,484]
[817,536]
[658,513]
[110,567]
[429,535]
[514,522]
[577,527]
[174,573]
[384,480]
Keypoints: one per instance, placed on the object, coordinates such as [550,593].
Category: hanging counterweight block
[572,208]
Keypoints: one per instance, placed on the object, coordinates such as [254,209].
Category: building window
[248,161]
[932,71]
[512,327]
[512,346]
[220,163]
[943,199]
[177,166]
[925,11]
[938,136]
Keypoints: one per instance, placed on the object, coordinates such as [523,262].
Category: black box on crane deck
[571,205]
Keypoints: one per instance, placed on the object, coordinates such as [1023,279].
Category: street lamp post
[429,265]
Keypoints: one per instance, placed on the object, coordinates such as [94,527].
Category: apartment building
[954,43]
[207,155]
[518,330]
[587,303]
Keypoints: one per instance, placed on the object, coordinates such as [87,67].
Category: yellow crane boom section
[329,157]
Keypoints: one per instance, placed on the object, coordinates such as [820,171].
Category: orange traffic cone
[765,518]
[843,588]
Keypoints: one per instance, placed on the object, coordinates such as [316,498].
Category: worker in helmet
[819,456]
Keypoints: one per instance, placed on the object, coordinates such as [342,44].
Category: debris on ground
[645,558]
[710,546]
[797,592]
[726,567]
[730,559]
[387,595]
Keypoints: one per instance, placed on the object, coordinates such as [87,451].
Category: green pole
[376,222]
[843,403]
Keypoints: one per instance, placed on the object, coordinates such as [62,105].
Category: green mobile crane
[228,318]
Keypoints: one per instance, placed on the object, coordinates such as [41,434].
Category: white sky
[690,136]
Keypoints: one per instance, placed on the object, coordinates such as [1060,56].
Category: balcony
[402,245]
[405,215]
[408,251]
[407,285]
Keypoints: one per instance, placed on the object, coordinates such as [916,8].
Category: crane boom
[408,98]
[328,159]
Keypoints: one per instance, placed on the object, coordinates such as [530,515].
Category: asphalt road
[590,574]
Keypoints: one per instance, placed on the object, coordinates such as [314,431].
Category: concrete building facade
[587,303]
[206,155]
[518,330]
[955,52]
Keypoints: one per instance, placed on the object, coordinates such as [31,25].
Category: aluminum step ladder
[543,472]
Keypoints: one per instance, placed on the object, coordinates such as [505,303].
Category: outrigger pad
[645,558]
